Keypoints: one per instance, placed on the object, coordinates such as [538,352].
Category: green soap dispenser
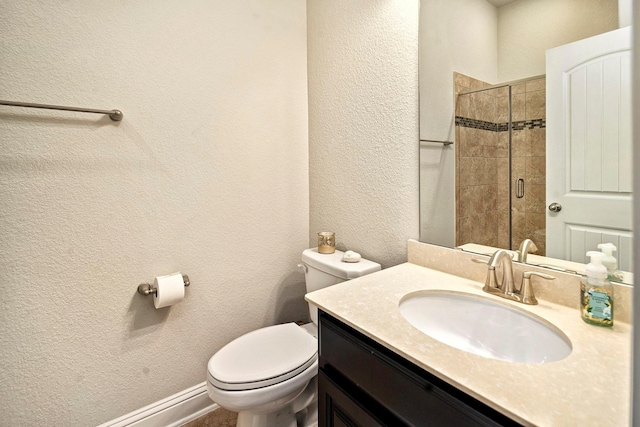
[596,293]
[610,262]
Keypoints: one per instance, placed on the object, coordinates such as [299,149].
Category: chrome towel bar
[115,115]
[437,142]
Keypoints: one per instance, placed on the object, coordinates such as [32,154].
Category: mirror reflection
[512,179]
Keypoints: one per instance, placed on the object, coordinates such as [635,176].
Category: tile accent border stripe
[476,124]
[529,124]
[500,127]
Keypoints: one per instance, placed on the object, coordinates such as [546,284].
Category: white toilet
[268,375]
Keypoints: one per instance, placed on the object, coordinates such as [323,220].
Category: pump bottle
[610,262]
[596,293]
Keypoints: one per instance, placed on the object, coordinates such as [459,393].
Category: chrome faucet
[526,247]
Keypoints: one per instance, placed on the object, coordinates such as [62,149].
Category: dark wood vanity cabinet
[362,383]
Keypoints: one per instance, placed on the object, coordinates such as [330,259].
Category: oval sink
[485,327]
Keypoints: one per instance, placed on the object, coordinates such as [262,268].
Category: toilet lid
[263,357]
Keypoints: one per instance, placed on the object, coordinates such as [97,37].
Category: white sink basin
[485,327]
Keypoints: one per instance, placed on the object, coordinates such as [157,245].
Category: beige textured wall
[527,28]
[206,174]
[363,124]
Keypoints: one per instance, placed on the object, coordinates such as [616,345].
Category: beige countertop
[590,387]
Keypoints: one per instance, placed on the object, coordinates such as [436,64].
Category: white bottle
[610,262]
[596,293]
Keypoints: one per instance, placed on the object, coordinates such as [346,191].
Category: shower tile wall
[482,163]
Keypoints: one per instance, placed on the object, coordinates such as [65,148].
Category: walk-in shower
[500,162]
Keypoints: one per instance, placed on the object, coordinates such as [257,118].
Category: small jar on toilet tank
[326,242]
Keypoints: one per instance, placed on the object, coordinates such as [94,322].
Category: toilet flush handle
[303,267]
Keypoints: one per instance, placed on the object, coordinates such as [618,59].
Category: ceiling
[498,3]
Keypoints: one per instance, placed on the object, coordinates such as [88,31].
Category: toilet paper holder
[147,288]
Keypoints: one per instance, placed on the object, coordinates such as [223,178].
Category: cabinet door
[337,408]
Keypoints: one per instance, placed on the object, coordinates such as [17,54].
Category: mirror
[481,64]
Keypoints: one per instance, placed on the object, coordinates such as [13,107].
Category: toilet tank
[322,270]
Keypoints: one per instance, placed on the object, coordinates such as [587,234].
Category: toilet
[268,376]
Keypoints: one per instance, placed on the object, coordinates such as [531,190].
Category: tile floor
[218,418]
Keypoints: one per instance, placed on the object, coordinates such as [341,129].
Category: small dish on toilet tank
[351,256]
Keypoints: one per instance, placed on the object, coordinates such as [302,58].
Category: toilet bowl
[261,374]
[268,376]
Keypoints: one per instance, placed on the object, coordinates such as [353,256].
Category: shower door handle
[520,188]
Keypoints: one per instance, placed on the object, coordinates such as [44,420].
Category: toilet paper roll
[169,290]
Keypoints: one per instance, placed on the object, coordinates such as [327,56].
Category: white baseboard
[172,411]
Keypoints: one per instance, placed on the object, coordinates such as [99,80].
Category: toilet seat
[262,358]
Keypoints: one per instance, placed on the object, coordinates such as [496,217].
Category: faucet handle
[491,282]
[526,289]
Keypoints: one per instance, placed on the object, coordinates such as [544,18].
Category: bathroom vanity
[378,369]
[363,383]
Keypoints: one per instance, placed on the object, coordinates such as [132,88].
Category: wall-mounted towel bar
[437,142]
[115,115]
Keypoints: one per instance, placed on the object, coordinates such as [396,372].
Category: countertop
[589,387]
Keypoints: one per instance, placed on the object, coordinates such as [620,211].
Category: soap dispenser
[596,293]
[610,262]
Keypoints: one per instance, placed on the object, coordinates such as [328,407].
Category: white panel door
[589,147]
